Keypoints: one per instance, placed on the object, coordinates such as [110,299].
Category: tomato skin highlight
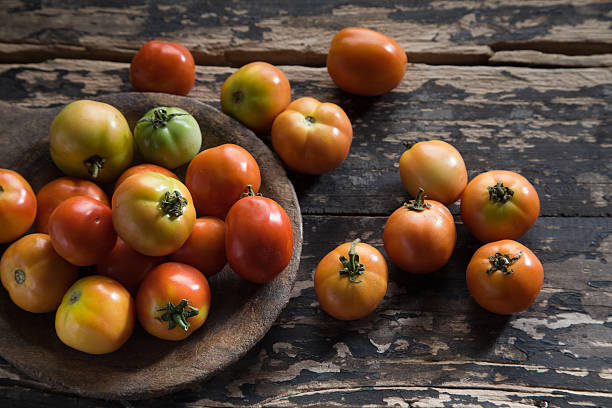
[35,276]
[17,205]
[172,282]
[346,300]
[205,247]
[505,293]
[490,220]
[96,315]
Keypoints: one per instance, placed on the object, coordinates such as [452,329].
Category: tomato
[17,205]
[60,189]
[34,275]
[91,140]
[258,238]
[504,277]
[173,301]
[351,281]
[499,204]
[255,94]
[420,236]
[312,137]
[168,136]
[218,176]
[365,62]
[205,247]
[96,315]
[161,66]
[435,166]
[152,213]
[127,266]
[141,168]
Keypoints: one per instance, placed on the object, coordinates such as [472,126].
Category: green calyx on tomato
[352,267]
[161,118]
[94,164]
[20,276]
[172,204]
[501,263]
[500,193]
[418,204]
[250,192]
[178,315]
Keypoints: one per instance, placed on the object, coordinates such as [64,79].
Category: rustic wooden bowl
[241,312]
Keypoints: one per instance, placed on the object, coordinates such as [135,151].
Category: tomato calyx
[250,192]
[310,120]
[74,297]
[161,118]
[178,315]
[418,204]
[172,204]
[352,267]
[500,193]
[237,97]
[94,164]
[20,276]
[1,189]
[501,263]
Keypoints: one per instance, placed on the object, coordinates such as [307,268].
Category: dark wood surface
[524,86]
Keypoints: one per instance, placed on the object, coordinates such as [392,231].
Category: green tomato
[169,137]
[91,140]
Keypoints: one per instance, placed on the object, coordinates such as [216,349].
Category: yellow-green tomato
[169,137]
[96,315]
[91,140]
[153,213]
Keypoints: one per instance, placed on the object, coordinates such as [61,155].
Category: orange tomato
[504,277]
[17,205]
[34,275]
[351,281]
[141,168]
[312,137]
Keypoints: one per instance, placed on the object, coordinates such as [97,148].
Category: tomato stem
[250,192]
[237,97]
[20,276]
[94,164]
[178,315]
[418,204]
[500,193]
[172,203]
[161,118]
[351,266]
[1,189]
[310,120]
[408,145]
[501,263]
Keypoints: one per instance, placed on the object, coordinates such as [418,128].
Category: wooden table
[524,86]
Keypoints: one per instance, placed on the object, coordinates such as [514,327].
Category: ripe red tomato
[34,275]
[96,315]
[60,189]
[161,66]
[365,62]
[504,277]
[17,205]
[218,176]
[312,137]
[141,168]
[255,94]
[351,281]
[173,301]
[205,247]
[127,266]
[499,204]
[436,167]
[258,238]
[81,230]
[420,236]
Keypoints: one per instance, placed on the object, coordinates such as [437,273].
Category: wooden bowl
[241,312]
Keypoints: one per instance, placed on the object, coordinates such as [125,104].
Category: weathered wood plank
[553,126]
[435,31]
[540,59]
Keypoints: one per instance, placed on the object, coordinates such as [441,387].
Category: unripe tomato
[17,205]
[34,275]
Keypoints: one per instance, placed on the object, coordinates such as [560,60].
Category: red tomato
[173,301]
[127,266]
[17,205]
[205,247]
[34,275]
[60,189]
[141,168]
[499,204]
[255,94]
[96,315]
[351,280]
[436,167]
[258,238]
[161,66]
[312,137]
[420,236]
[218,176]
[365,62]
[504,277]
[81,230]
